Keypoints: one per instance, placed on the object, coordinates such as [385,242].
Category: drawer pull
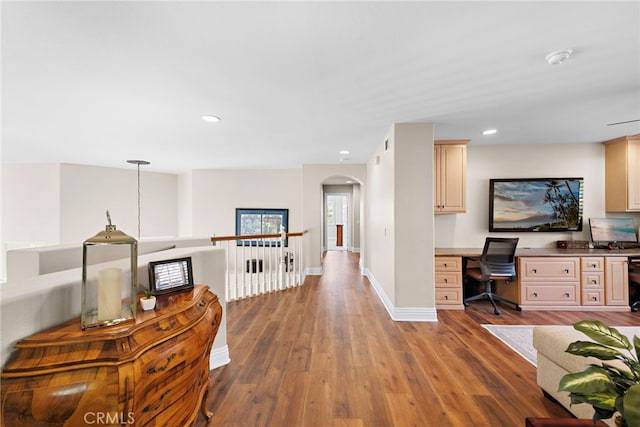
[566,294]
[153,370]
[535,295]
[594,298]
[167,328]
[202,303]
[534,270]
[155,407]
[566,270]
[446,297]
[445,280]
[593,266]
[445,264]
[594,281]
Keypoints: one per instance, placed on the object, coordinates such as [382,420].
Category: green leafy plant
[147,294]
[608,388]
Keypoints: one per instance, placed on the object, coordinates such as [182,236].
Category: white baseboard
[408,314]
[219,357]
[313,271]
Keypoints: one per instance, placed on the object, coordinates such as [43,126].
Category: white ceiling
[98,83]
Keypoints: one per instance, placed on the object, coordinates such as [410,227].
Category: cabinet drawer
[592,280]
[593,297]
[448,280]
[448,263]
[592,263]
[448,296]
[551,295]
[549,269]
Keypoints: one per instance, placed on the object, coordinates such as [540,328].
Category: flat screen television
[609,230]
[536,204]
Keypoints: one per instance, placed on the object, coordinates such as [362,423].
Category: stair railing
[261,263]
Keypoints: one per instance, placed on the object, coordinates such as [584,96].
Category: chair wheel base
[518,308]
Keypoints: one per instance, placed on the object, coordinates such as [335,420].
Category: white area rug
[518,337]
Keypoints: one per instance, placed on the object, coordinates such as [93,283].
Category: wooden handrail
[256,236]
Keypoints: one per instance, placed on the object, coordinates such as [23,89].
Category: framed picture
[252,222]
[170,275]
[536,204]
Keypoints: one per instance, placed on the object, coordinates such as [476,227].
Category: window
[251,222]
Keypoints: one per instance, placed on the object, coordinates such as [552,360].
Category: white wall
[86,192]
[524,161]
[217,194]
[400,229]
[30,207]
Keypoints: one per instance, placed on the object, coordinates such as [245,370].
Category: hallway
[327,354]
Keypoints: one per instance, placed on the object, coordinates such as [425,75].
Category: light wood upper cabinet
[450,157]
[622,174]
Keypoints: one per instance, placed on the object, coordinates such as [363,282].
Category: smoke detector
[558,56]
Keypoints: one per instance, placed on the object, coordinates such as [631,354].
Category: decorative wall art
[536,204]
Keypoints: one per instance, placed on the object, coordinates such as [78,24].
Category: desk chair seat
[634,283]
[496,263]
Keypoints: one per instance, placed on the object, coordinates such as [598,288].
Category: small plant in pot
[148,301]
[609,388]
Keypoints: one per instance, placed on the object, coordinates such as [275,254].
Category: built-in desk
[547,278]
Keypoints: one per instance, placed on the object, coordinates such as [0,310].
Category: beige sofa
[554,362]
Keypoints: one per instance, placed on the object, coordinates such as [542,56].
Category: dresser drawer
[593,297]
[559,269]
[448,296]
[592,264]
[592,280]
[551,295]
[448,280]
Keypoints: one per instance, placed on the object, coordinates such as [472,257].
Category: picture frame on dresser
[536,204]
[170,275]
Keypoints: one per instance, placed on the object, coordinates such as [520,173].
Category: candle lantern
[108,293]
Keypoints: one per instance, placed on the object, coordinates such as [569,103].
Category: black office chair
[496,263]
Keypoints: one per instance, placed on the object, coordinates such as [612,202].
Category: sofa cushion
[552,341]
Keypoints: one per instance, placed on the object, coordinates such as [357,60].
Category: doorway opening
[337,221]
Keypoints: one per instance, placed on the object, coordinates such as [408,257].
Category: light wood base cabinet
[151,372]
[448,272]
[574,283]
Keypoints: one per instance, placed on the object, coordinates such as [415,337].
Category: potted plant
[148,301]
[608,388]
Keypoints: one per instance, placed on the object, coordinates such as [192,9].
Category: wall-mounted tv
[536,204]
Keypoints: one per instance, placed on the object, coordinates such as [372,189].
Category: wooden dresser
[151,372]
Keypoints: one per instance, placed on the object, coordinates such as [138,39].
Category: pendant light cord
[138,162]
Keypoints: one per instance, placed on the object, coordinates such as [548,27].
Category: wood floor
[327,354]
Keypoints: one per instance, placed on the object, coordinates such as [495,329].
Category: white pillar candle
[109,303]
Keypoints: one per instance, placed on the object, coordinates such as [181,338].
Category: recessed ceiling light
[210,118]
[558,56]
[344,152]
[489,131]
